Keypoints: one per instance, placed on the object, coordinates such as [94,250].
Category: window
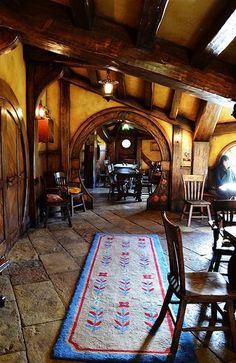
[126,143]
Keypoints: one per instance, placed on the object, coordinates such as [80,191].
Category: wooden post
[200,157]
[65,124]
[176,180]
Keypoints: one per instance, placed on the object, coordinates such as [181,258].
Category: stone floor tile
[18,357]
[39,340]
[68,238]
[58,262]
[45,243]
[11,339]
[65,284]
[6,288]
[38,303]
[22,251]
[80,249]
[27,272]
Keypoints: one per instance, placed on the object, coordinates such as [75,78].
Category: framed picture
[154,146]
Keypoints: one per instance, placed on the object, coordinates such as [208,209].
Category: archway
[137,117]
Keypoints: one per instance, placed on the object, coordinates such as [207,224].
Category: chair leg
[212,263]
[178,327]
[217,262]
[83,202]
[190,215]
[232,323]
[183,211]
[46,217]
[209,212]
[163,311]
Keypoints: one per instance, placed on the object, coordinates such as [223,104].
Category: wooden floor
[46,263]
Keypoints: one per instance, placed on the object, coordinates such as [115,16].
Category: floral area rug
[116,302]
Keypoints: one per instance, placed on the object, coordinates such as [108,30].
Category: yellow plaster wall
[12,71]
[217,144]
[84,104]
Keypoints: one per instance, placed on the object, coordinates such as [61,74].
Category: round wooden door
[13,178]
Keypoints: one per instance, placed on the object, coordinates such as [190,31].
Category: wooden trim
[169,66]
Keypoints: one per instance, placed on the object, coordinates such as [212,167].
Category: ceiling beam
[221,34]
[167,64]
[121,88]
[175,104]
[206,121]
[81,81]
[93,77]
[223,128]
[8,39]
[82,13]
[148,95]
[152,15]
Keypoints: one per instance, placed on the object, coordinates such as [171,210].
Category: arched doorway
[13,169]
[123,113]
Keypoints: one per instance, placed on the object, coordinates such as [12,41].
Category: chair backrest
[194,186]
[60,179]
[224,212]
[176,275]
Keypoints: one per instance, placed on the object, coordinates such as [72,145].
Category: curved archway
[14,167]
[136,117]
[119,113]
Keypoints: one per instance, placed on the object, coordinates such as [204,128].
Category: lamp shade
[45,130]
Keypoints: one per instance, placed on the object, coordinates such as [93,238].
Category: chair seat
[208,285]
[197,203]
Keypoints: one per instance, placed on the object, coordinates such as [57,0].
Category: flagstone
[45,243]
[18,357]
[23,251]
[11,339]
[65,283]
[38,303]
[58,262]
[39,340]
[79,249]
[6,288]
[27,272]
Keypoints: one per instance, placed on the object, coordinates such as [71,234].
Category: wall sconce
[45,124]
[108,86]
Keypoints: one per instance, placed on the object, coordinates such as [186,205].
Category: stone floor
[46,263]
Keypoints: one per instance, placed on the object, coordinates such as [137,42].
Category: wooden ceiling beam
[175,104]
[121,88]
[152,15]
[167,64]
[81,81]
[93,77]
[206,121]
[82,13]
[148,95]
[221,34]
[223,128]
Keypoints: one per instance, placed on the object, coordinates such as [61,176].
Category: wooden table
[124,176]
[230,232]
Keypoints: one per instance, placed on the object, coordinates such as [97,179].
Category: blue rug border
[66,353]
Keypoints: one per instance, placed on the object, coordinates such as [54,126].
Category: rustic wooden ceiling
[173,58]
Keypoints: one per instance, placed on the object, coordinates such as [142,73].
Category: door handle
[10,180]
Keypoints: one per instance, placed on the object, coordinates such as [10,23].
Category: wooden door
[12,175]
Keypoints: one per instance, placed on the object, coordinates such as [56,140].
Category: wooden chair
[72,188]
[224,213]
[193,288]
[193,197]
[54,202]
